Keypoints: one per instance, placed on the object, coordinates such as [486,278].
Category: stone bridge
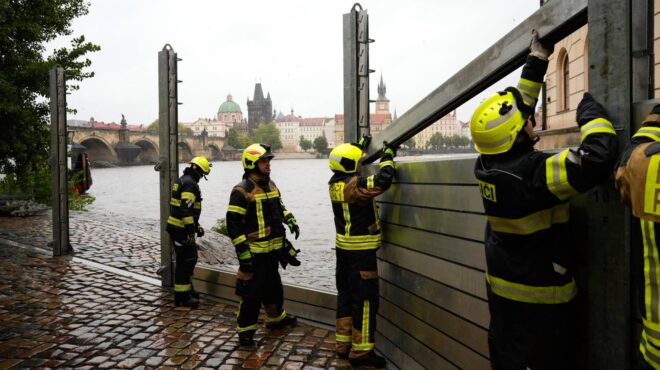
[104,146]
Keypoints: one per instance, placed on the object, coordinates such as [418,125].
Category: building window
[563,76]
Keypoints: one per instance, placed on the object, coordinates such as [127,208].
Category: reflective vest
[255,217]
[525,194]
[356,217]
[638,181]
[185,208]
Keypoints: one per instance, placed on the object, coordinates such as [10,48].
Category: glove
[390,150]
[246,265]
[288,255]
[588,110]
[538,49]
[200,231]
[364,142]
[293,227]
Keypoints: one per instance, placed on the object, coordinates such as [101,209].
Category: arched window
[565,77]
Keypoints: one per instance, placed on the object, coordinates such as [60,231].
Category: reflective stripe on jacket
[529,254]
[356,218]
[185,207]
[255,217]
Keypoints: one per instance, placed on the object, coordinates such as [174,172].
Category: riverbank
[133,245]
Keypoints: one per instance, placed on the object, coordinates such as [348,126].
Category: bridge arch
[99,151]
[185,152]
[215,152]
[149,152]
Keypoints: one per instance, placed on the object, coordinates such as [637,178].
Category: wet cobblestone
[134,245]
[56,312]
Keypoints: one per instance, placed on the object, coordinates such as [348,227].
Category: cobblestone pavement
[134,245]
[58,312]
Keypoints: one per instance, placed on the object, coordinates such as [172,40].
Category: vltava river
[132,192]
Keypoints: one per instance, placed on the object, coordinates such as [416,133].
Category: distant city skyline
[294,48]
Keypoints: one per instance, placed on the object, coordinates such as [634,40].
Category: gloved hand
[589,109]
[364,142]
[293,226]
[390,150]
[200,231]
[538,49]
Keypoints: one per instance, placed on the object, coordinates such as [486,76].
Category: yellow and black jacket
[525,194]
[255,216]
[185,207]
[638,181]
[356,217]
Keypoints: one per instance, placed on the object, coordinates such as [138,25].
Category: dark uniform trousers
[265,287]
[538,331]
[186,259]
[357,299]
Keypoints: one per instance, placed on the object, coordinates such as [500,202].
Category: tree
[305,144]
[410,143]
[154,128]
[321,144]
[25,28]
[233,138]
[267,134]
[437,141]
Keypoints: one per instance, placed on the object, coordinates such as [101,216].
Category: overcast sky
[293,47]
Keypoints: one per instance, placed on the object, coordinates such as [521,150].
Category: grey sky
[293,47]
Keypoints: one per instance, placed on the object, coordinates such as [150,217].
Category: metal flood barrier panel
[433,309]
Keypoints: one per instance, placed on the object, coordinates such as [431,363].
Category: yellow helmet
[345,158]
[496,122]
[253,153]
[202,164]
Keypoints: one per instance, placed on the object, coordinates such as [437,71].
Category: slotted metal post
[356,74]
[59,162]
[168,165]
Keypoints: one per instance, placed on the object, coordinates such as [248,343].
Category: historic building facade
[230,112]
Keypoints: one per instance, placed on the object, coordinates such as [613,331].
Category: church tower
[382,103]
[260,109]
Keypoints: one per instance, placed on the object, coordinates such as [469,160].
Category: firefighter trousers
[186,259]
[357,301]
[265,287]
[535,336]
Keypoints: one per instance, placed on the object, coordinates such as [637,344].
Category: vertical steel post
[607,224]
[356,74]
[59,161]
[169,158]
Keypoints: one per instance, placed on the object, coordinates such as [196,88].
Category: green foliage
[25,28]
[38,186]
[244,141]
[305,144]
[321,144]
[267,134]
[154,128]
[233,138]
[438,142]
[220,227]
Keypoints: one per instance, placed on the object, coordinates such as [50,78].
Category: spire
[268,97]
[258,92]
[381,89]
[395,117]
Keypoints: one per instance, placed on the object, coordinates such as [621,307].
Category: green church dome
[229,106]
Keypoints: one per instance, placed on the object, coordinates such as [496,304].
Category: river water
[133,193]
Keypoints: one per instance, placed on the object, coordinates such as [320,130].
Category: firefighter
[255,219]
[529,255]
[183,226]
[638,181]
[358,237]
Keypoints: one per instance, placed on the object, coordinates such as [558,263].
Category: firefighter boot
[185,299]
[288,320]
[245,338]
[372,360]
